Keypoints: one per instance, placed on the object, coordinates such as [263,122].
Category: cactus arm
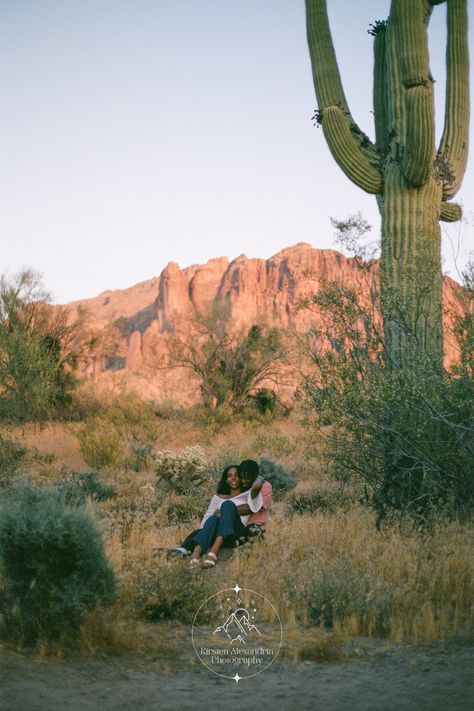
[450,212]
[347,153]
[380,90]
[326,77]
[417,82]
[453,149]
[351,148]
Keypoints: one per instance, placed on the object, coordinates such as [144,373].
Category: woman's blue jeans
[228,524]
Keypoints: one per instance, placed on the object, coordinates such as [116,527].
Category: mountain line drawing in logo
[237,627]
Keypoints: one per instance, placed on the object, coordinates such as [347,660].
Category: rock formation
[254,289]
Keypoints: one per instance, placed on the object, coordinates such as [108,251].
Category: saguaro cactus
[413,181]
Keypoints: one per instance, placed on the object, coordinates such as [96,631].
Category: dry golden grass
[402,583]
[336,568]
[56,439]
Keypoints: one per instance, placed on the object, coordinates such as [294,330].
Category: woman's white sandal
[210,560]
[194,563]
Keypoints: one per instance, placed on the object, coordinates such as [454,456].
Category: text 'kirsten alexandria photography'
[237,633]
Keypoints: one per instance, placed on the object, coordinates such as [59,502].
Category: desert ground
[438,677]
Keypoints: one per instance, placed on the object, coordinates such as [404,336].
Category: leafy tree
[231,365]
[36,353]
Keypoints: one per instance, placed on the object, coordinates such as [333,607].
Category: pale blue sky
[137,132]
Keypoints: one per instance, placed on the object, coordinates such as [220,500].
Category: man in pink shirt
[249,472]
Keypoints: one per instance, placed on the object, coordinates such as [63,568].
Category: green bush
[170,592]
[53,567]
[337,593]
[141,457]
[265,401]
[408,432]
[279,477]
[184,509]
[39,350]
[136,419]
[301,502]
[123,512]
[106,437]
[102,443]
[274,443]
[12,453]
[80,487]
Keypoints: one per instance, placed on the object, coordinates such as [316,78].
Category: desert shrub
[12,453]
[184,509]
[407,431]
[53,567]
[170,592]
[124,512]
[135,418]
[102,443]
[274,443]
[265,401]
[326,501]
[125,421]
[338,593]
[182,472]
[141,457]
[78,488]
[279,477]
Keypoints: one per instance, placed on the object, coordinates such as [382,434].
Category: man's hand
[256,486]
[244,509]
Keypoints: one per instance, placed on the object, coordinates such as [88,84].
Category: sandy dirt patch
[434,678]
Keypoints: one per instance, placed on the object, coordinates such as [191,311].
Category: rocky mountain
[255,290]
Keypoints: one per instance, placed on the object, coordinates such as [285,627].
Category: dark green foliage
[265,401]
[141,457]
[184,509]
[169,592]
[407,431]
[53,567]
[12,453]
[333,594]
[317,117]
[376,27]
[36,360]
[76,490]
[317,500]
[279,477]
[230,365]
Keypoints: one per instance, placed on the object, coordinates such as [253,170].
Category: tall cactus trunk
[411,270]
[412,180]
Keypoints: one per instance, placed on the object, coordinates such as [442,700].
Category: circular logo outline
[236,590]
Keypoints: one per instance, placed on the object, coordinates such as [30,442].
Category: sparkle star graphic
[237,678]
[237,590]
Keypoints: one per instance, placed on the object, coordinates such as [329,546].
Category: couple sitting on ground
[237,514]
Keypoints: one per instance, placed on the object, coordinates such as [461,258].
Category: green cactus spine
[413,181]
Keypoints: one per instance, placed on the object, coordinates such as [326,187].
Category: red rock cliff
[255,289]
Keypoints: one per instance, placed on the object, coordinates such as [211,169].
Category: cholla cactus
[412,179]
[181,471]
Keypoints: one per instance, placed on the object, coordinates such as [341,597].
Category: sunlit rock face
[253,290]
